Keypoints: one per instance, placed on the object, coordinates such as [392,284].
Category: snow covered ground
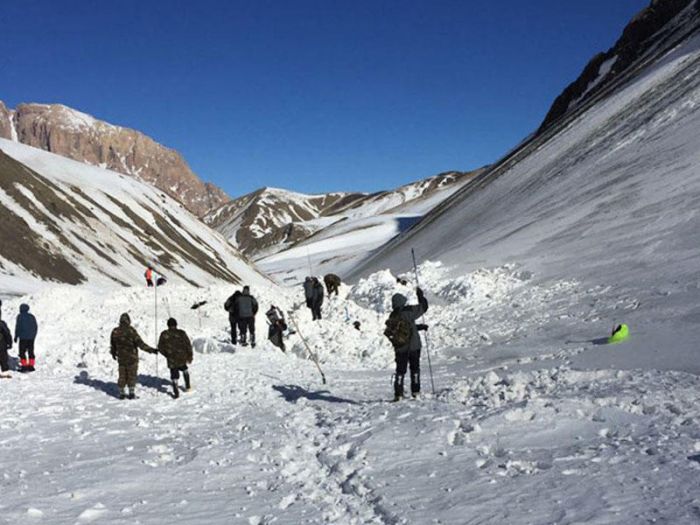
[521,429]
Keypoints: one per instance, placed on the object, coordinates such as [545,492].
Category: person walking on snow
[231,306]
[149,277]
[402,331]
[313,291]
[125,343]
[332,282]
[175,345]
[5,345]
[25,332]
[277,327]
[247,307]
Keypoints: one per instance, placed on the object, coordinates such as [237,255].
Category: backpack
[398,330]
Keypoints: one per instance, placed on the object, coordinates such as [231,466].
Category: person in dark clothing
[175,345]
[332,282]
[5,345]
[25,332]
[231,306]
[275,333]
[408,354]
[125,343]
[247,309]
[313,291]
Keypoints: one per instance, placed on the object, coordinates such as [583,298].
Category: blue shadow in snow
[293,393]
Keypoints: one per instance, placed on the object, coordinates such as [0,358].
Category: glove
[419,292]
[422,327]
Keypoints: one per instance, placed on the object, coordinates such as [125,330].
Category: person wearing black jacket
[5,345]
[409,353]
[25,332]
[231,307]
[313,292]
[247,308]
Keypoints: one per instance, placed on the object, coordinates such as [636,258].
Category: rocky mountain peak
[70,133]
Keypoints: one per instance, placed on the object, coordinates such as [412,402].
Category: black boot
[398,387]
[187,381]
[415,384]
[176,391]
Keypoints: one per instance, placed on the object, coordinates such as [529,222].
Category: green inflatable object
[620,333]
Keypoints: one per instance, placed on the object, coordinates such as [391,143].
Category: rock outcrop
[75,135]
[603,68]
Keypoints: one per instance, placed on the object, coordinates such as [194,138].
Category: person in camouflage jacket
[125,343]
[175,345]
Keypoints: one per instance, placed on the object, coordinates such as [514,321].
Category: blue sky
[313,96]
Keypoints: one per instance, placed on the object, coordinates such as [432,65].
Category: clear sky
[307,95]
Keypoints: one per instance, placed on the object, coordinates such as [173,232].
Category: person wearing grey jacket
[409,353]
[246,308]
[313,292]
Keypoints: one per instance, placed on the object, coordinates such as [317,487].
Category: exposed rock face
[64,131]
[6,127]
[603,68]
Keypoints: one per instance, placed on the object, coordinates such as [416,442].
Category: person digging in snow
[247,307]
[5,345]
[275,333]
[332,282]
[125,343]
[313,292]
[175,345]
[25,332]
[402,331]
[231,306]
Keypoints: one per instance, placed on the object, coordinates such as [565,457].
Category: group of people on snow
[26,329]
[242,307]
[173,343]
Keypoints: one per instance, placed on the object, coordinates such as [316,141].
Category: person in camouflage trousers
[175,345]
[125,343]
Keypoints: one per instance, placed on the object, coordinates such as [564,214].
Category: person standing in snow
[402,331]
[332,282]
[175,345]
[247,307]
[149,276]
[275,333]
[125,343]
[5,345]
[160,279]
[231,306]
[313,292]
[25,332]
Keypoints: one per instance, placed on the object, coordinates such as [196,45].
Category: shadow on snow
[293,393]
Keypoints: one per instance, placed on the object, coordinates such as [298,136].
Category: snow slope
[75,223]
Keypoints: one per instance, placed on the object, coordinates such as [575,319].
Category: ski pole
[427,341]
[155,328]
[313,355]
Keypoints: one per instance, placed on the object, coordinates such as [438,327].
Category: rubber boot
[186,375]
[122,393]
[415,384]
[132,395]
[176,391]
[31,364]
[398,387]
[23,365]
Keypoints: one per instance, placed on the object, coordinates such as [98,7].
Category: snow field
[514,434]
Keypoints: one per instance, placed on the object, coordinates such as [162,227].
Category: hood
[24,308]
[246,290]
[125,320]
[398,301]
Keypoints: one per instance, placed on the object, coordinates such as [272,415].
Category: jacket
[175,345]
[26,327]
[125,343]
[5,336]
[247,306]
[410,313]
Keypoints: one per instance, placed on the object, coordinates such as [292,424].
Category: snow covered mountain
[67,222]
[269,221]
[75,135]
